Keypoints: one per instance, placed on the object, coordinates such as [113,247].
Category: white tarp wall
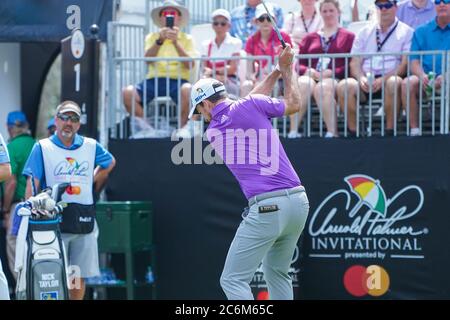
[9,82]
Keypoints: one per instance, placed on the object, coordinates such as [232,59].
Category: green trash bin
[126,227]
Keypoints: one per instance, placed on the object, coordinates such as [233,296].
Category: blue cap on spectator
[51,123]
[16,118]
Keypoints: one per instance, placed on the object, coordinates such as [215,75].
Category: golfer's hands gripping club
[286,59]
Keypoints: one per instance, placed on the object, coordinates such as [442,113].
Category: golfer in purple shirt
[241,133]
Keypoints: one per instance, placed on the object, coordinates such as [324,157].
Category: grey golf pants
[269,234]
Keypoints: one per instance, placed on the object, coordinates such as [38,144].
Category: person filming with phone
[168,42]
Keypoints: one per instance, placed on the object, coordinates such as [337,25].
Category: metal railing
[370,117]
[160,110]
[127,66]
[435,102]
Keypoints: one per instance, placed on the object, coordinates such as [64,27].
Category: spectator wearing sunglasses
[377,75]
[168,42]
[299,24]
[69,157]
[222,45]
[263,42]
[242,25]
[416,12]
[318,77]
[435,35]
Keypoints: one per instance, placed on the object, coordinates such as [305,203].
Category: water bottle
[149,275]
[370,78]
[429,88]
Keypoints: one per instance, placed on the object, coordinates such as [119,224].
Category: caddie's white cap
[221,12]
[260,10]
[203,89]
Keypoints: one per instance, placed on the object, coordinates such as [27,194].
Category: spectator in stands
[242,17]
[299,24]
[263,42]
[19,148]
[319,77]
[223,45]
[416,12]
[167,43]
[378,73]
[51,127]
[435,35]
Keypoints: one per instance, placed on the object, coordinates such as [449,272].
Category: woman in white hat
[223,45]
[169,42]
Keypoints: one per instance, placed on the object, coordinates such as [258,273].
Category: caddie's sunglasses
[386,6]
[66,117]
[264,17]
[216,23]
[438,2]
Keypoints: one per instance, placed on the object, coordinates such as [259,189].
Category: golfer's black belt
[273,194]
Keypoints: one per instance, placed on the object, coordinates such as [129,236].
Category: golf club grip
[283,43]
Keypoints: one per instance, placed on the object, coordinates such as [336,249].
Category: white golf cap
[203,89]
[221,12]
[260,10]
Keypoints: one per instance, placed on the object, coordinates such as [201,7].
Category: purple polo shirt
[242,135]
[414,17]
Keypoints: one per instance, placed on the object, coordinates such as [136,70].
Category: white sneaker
[415,132]
[380,112]
[294,135]
[329,135]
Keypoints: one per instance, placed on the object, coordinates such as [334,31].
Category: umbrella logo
[73,162]
[369,192]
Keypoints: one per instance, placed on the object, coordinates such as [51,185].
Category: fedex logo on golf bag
[51,295]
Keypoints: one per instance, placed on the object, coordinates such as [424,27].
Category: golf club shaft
[274,25]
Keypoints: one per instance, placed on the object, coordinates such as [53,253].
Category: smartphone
[170,21]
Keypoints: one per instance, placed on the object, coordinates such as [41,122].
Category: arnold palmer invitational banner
[378,228]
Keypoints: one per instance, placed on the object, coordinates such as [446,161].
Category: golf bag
[42,273]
